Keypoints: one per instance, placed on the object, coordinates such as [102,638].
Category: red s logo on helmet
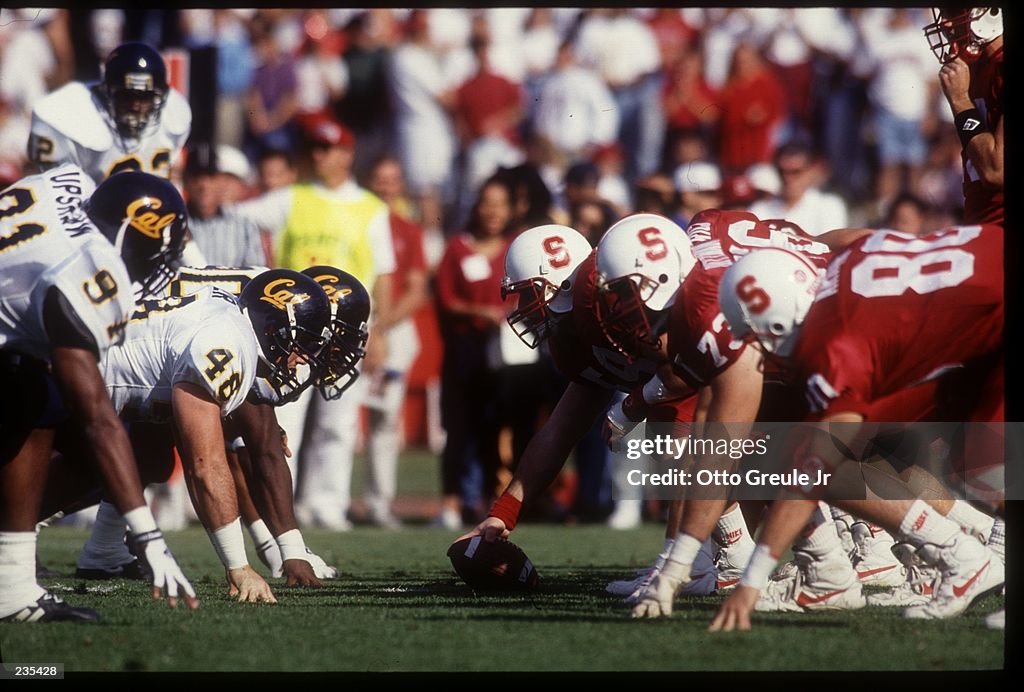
[650,238]
[754,296]
[558,256]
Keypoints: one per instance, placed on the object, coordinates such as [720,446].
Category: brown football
[497,566]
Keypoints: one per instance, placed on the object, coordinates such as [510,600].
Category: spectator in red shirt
[471,311]
[691,104]
[753,104]
[488,111]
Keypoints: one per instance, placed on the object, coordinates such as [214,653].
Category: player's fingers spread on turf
[192,602]
[172,601]
[156,592]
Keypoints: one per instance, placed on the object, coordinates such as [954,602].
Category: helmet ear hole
[565,285]
[663,278]
[778,329]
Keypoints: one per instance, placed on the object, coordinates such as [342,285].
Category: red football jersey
[896,311]
[580,350]
[982,204]
[699,341]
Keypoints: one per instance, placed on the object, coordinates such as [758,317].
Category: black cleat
[129,570]
[50,608]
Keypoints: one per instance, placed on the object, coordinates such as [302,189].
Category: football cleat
[624,587]
[50,608]
[873,558]
[845,536]
[730,561]
[916,589]
[828,583]
[129,570]
[968,572]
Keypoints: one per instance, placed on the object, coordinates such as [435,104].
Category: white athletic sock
[923,525]
[106,548]
[819,537]
[731,528]
[18,586]
[970,519]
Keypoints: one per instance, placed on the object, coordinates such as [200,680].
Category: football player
[130,121]
[190,361]
[68,262]
[968,41]
[263,481]
[551,273]
[705,358]
[855,339]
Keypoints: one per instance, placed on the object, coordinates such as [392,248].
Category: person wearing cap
[227,240]
[699,185]
[330,220]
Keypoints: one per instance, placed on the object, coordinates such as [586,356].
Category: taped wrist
[292,546]
[230,544]
[759,569]
[507,509]
[969,124]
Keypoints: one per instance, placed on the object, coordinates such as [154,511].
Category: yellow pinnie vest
[324,230]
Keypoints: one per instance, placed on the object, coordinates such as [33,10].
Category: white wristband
[260,533]
[230,544]
[237,444]
[759,568]
[140,521]
[292,546]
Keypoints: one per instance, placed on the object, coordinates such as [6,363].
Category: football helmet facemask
[134,88]
[291,317]
[350,310]
[641,262]
[145,219]
[540,271]
[962,32]
[765,297]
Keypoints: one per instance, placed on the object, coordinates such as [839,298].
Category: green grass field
[399,607]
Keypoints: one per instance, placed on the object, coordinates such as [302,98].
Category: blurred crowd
[475,124]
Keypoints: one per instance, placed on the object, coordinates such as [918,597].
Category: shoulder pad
[73,112]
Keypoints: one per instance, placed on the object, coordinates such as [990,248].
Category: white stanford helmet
[540,271]
[962,32]
[641,262]
[766,295]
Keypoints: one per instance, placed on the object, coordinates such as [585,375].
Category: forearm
[210,485]
[270,487]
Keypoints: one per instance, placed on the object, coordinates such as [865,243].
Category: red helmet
[962,32]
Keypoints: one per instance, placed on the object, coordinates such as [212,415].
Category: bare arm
[85,394]
[984,150]
[200,440]
[414,297]
[269,480]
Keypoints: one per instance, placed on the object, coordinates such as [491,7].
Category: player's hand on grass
[491,529]
[734,613]
[320,568]
[167,575]
[248,586]
[657,599]
[300,573]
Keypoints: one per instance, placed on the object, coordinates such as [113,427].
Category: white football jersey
[203,339]
[72,125]
[47,240]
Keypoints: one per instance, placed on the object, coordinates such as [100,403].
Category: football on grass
[497,566]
